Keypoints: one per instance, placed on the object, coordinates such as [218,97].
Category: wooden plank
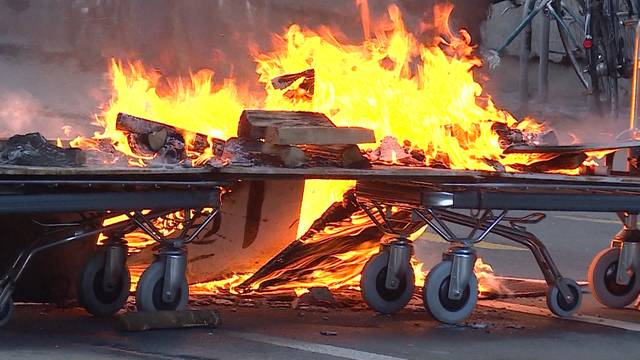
[318,135]
[253,123]
[391,173]
[401,173]
[151,137]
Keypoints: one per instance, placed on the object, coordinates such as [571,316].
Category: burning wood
[290,156]
[160,141]
[305,88]
[318,135]
[255,123]
[348,156]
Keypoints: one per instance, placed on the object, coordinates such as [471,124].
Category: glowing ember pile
[424,95]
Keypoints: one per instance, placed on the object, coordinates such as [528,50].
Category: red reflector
[587,43]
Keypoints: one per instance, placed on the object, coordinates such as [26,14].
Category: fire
[390,83]
[318,196]
[487,281]
[196,105]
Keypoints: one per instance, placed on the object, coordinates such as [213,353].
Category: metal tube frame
[136,219]
[481,226]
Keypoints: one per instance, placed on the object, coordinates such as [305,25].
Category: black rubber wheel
[374,292]
[149,291]
[6,312]
[436,298]
[559,305]
[603,59]
[602,280]
[92,295]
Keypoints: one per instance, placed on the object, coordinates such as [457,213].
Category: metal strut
[514,232]
[87,229]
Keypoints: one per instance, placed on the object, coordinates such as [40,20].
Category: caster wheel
[436,298]
[374,292]
[92,295]
[559,305]
[5,312]
[149,291]
[602,280]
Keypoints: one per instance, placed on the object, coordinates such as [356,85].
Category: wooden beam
[253,123]
[318,135]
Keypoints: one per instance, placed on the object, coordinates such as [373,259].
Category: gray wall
[178,35]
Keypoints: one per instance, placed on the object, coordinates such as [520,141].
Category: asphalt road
[527,331]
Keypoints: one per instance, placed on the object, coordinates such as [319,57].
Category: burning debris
[34,150]
[326,103]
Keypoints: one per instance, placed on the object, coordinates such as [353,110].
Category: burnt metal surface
[567,149]
[106,201]
[538,196]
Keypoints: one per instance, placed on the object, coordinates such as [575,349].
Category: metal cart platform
[142,195]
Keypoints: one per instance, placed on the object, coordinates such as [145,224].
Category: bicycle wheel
[626,16]
[603,59]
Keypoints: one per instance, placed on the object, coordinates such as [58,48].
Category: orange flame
[395,86]
[390,83]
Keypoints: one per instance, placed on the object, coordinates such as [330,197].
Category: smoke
[21,112]
[18,113]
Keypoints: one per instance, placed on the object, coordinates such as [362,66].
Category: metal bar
[187,222]
[21,265]
[563,31]
[537,248]
[525,51]
[549,186]
[444,229]
[491,226]
[107,201]
[543,202]
[543,59]
[635,99]
[144,223]
[525,23]
[123,182]
[573,15]
[203,225]
[378,224]
[562,25]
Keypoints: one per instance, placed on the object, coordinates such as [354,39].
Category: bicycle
[609,34]
[607,45]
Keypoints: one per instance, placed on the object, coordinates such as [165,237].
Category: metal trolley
[103,284]
[450,290]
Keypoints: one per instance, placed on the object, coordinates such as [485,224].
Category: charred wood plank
[253,124]
[304,90]
[348,156]
[147,138]
[290,156]
[566,161]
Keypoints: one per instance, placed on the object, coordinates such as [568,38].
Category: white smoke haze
[18,113]
[21,113]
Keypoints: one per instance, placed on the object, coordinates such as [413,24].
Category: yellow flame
[390,83]
[395,86]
